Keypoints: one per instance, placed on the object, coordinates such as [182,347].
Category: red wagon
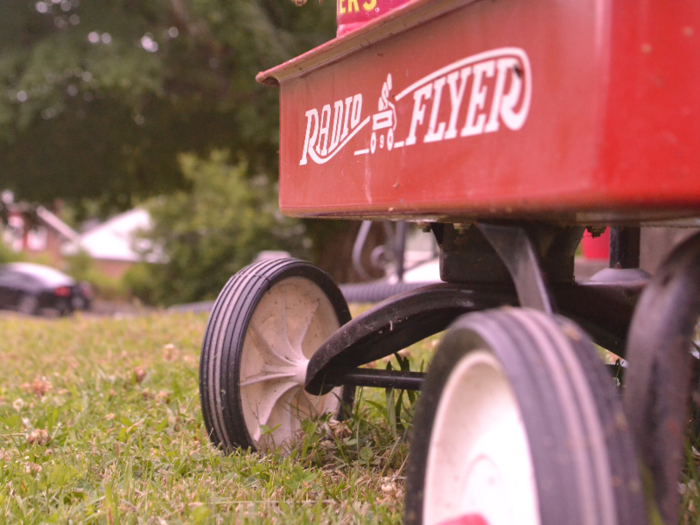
[507,127]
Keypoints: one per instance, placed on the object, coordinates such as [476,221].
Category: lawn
[100,423]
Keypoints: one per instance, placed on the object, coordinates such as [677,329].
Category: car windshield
[46,275]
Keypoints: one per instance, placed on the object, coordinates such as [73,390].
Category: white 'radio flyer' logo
[511,86]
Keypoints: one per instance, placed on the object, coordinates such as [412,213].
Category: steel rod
[381,378]
[624,247]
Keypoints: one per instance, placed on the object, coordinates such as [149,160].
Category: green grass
[100,423]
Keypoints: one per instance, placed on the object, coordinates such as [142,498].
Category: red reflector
[62,291]
[467,519]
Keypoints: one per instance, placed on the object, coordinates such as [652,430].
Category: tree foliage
[213,230]
[98,98]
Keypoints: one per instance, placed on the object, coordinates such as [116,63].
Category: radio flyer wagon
[506,127]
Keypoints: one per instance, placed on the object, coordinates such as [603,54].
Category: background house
[37,232]
[114,246]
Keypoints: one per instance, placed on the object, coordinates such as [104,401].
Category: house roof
[47,218]
[57,224]
[117,239]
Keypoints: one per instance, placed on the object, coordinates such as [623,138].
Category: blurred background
[139,155]
[138,152]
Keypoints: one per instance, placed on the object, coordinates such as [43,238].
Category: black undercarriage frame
[648,321]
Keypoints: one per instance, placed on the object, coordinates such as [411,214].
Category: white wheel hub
[479,468]
[289,324]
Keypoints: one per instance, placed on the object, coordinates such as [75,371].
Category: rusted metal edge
[392,23]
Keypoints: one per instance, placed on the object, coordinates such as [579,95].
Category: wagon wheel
[265,325]
[28,304]
[518,424]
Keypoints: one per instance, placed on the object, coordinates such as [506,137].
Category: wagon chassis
[508,127]
[512,275]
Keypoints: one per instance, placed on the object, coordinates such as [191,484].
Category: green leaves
[97,99]
[165,467]
[214,229]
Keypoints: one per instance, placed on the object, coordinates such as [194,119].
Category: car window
[8,278]
[12,278]
[40,275]
[28,279]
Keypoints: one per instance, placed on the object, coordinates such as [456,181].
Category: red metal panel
[651,145]
[577,110]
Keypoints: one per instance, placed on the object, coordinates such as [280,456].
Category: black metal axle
[398,379]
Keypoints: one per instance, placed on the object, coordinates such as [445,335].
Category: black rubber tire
[555,374]
[65,312]
[28,304]
[224,338]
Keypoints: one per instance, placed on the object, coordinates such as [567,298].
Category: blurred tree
[97,98]
[213,230]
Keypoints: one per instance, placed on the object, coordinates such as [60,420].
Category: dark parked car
[32,288]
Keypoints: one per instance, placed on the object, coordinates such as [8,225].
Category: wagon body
[451,110]
[507,125]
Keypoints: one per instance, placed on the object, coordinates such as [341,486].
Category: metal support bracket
[518,253]
[602,309]
[393,325]
[624,247]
